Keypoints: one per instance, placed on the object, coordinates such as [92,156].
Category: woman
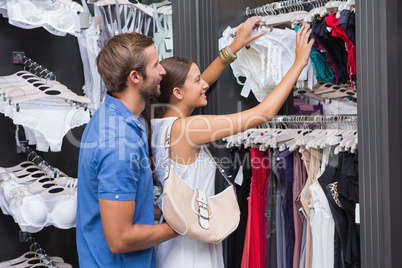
[183,89]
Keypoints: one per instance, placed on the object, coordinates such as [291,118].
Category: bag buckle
[203,212]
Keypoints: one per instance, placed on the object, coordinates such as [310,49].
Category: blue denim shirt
[113,165]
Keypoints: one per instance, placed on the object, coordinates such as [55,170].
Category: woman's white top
[183,251]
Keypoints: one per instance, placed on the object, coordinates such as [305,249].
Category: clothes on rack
[89,50]
[36,200]
[311,226]
[115,17]
[60,19]
[332,59]
[271,55]
[163,30]
[332,99]
[320,62]
[45,108]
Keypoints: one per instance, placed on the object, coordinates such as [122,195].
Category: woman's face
[194,88]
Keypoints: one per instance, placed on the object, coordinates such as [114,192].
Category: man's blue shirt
[113,165]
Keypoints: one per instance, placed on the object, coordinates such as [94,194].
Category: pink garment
[338,31]
[300,177]
[309,246]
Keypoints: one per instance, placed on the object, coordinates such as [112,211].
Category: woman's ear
[178,93]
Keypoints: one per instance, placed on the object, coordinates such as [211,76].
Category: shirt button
[117,196]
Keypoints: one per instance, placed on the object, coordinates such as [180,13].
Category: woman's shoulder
[157,123]
[159,127]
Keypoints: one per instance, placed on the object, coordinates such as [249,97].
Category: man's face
[154,71]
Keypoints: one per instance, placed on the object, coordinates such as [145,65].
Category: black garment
[347,22]
[348,189]
[235,242]
[286,170]
[335,47]
[331,175]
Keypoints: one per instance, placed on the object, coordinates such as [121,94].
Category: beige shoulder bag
[192,213]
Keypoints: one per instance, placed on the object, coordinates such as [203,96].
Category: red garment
[245,259]
[258,242]
[338,31]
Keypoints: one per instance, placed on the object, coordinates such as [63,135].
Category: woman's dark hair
[176,73]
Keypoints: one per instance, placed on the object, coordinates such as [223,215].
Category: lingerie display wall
[38,111]
[44,110]
[297,185]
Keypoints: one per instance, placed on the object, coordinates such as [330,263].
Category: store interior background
[379,66]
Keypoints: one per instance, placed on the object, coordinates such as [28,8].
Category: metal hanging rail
[283,7]
[37,69]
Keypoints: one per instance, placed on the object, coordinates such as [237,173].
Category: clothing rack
[316,118]
[37,69]
[283,7]
[35,247]
[341,118]
[38,160]
[312,121]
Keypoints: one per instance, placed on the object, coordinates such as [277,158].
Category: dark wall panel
[61,56]
[379,71]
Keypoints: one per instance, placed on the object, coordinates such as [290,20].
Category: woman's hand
[303,46]
[244,35]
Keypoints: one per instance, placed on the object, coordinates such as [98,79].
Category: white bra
[36,200]
[55,17]
[55,206]
[265,61]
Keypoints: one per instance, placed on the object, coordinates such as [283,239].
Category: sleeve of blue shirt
[117,175]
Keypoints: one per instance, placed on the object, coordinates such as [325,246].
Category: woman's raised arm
[243,37]
[200,129]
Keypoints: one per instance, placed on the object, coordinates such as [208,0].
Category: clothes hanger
[308,93]
[291,144]
[286,136]
[67,95]
[12,92]
[163,3]
[340,93]
[26,171]
[34,176]
[284,18]
[57,190]
[12,76]
[144,8]
[18,167]
[72,4]
[27,255]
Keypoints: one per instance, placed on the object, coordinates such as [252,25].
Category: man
[115,212]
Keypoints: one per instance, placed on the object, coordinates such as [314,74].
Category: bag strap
[167,156]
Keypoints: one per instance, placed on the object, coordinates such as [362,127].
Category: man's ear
[134,77]
[178,93]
